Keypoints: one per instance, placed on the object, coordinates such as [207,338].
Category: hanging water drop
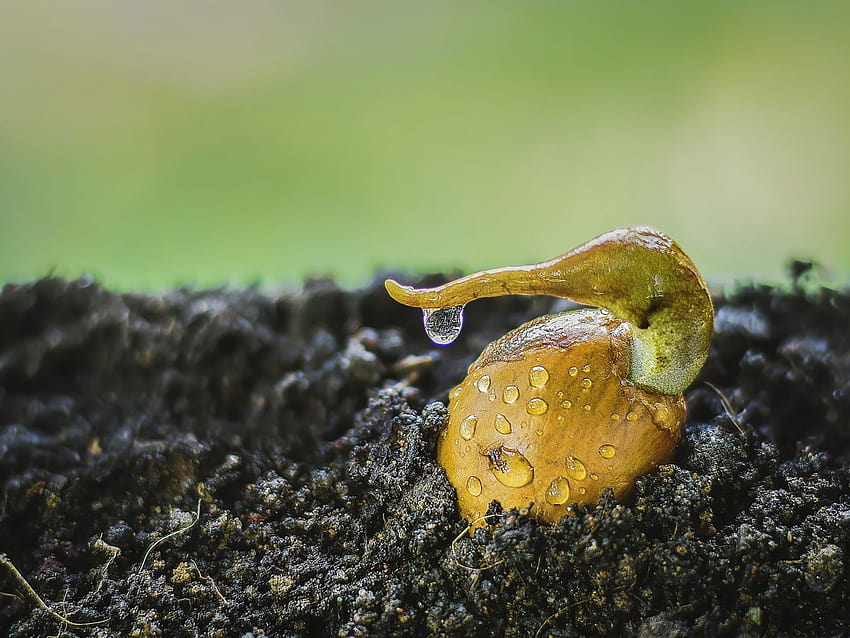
[442,325]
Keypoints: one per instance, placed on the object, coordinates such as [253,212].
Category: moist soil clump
[229,463]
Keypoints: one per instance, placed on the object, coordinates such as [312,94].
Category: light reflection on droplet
[558,491]
[502,424]
[510,467]
[576,469]
[467,427]
[443,325]
[538,376]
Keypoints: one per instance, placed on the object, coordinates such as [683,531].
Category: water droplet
[560,395]
[442,325]
[483,384]
[586,368]
[558,491]
[593,476]
[510,394]
[467,427]
[560,417]
[524,425]
[573,371]
[582,490]
[576,469]
[510,467]
[492,396]
[607,451]
[536,406]
[615,417]
[538,376]
[567,404]
[586,383]
[632,416]
[473,485]
[502,424]
[587,407]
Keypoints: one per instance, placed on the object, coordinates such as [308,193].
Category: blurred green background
[157,143]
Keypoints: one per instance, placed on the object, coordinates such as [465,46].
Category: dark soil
[302,428]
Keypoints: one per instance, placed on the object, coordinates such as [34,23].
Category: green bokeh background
[160,143]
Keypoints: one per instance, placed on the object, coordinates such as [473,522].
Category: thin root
[113,552]
[209,580]
[558,614]
[727,406]
[465,531]
[159,541]
[5,562]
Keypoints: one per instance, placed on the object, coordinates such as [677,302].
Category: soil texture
[233,463]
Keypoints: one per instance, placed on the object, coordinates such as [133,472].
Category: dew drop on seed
[586,383]
[442,325]
[632,416]
[607,451]
[473,485]
[582,490]
[502,424]
[538,376]
[510,394]
[615,417]
[536,406]
[483,384]
[567,404]
[467,427]
[585,368]
[587,407]
[510,467]
[573,371]
[576,469]
[558,491]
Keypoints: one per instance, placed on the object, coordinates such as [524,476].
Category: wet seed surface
[300,425]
